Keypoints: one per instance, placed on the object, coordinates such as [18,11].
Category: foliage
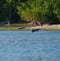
[46,11]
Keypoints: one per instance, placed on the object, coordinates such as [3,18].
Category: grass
[16,28]
[26,27]
[12,28]
[8,28]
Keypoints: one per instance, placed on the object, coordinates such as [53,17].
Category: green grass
[8,28]
[12,28]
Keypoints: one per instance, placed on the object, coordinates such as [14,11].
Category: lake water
[28,46]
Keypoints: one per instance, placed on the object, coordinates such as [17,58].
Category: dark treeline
[43,11]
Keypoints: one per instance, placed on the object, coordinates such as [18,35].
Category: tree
[43,11]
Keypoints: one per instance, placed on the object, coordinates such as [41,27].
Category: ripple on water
[28,46]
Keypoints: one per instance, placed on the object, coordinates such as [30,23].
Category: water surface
[28,46]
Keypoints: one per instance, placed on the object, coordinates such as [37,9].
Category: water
[28,46]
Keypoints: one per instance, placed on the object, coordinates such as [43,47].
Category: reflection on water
[28,46]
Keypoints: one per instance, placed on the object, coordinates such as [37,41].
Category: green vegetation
[18,11]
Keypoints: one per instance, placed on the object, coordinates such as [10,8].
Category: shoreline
[44,27]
